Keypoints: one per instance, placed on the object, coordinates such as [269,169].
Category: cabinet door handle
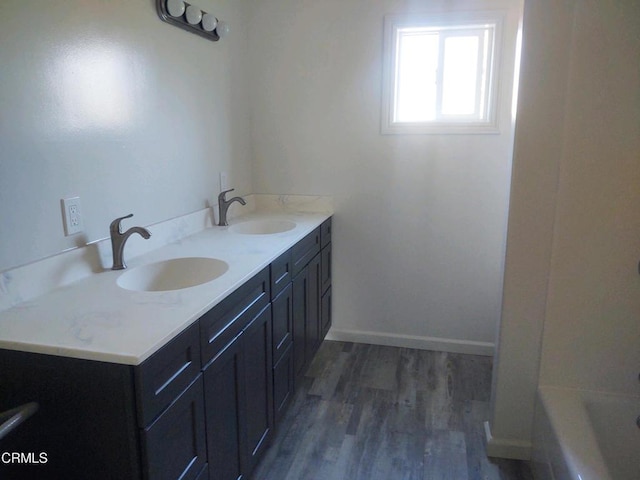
[15,417]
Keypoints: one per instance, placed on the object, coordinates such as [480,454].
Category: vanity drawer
[303,251]
[220,325]
[167,373]
[280,273]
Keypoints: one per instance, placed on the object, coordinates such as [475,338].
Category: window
[440,73]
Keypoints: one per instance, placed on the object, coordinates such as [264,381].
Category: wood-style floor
[367,412]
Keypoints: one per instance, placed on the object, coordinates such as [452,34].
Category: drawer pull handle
[173,377]
[16,416]
[236,317]
[282,277]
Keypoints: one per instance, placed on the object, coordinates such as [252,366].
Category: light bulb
[209,22]
[222,29]
[175,8]
[194,15]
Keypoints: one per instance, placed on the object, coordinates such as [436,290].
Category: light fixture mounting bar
[181,21]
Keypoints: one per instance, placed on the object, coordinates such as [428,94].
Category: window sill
[440,129]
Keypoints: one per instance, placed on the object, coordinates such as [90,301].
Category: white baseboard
[506,448]
[412,341]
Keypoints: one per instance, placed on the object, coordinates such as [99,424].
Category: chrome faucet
[223,206]
[118,239]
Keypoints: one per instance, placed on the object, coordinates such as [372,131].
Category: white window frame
[469,21]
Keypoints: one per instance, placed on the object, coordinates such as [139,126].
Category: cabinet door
[174,445]
[313,309]
[224,416]
[299,297]
[306,315]
[282,323]
[283,384]
[258,384]
[325,268]
[325,313]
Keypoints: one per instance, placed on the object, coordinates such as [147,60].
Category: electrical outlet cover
[72,215]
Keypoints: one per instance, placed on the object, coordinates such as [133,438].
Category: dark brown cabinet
[282,348]
[224,391]
[258,379]
[325,313]
[86,422]
[306,315]
[170,405]
[325,268]
[282,322]
[204,406]
[237,352]
[325,278]
[102,420]
[238,398]
[174,445]
[311,304]
[283,384]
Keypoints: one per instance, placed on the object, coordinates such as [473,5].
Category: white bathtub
[584,435]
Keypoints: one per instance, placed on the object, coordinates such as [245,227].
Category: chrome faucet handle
[114,227]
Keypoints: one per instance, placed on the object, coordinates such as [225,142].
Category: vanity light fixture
[192,18]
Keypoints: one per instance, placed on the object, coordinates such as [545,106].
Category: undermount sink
[173,274]
[262,227]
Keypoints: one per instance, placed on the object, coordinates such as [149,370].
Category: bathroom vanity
[204,404]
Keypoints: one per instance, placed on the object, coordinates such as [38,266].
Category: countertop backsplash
[26,282]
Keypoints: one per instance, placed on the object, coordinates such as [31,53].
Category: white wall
[105,101]
[420,220]
[572,290]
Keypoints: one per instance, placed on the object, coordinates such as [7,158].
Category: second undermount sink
[172,274]
[262,227]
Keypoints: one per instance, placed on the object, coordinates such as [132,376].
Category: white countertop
[95,319]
